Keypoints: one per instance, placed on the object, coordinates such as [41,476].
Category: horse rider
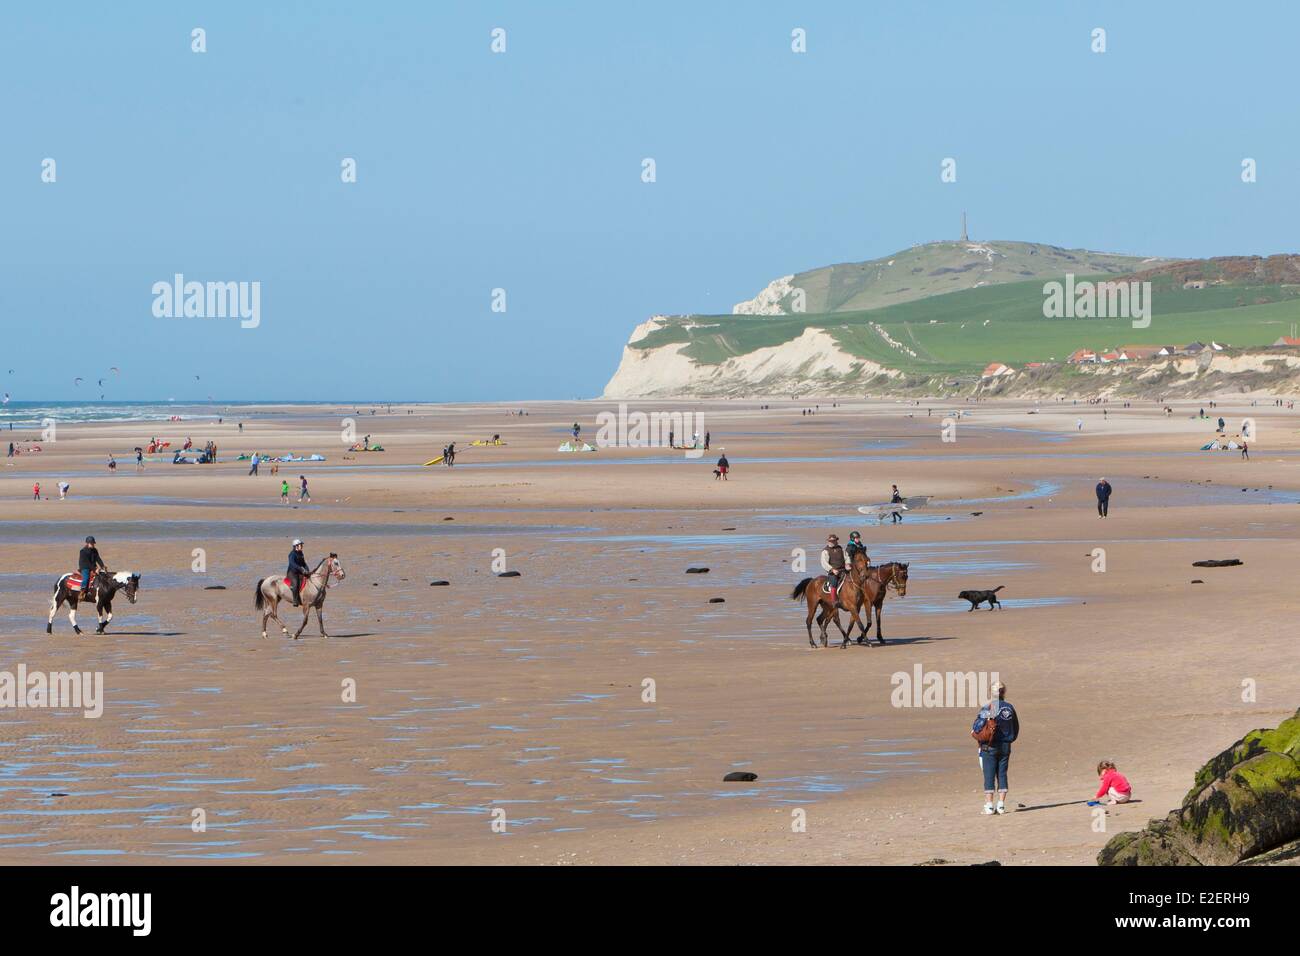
[833,564]
[89,561]
[297,571]
[855,546]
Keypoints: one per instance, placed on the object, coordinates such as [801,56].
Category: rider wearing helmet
[89,561]
[855,546]
[297,571]
[833,564]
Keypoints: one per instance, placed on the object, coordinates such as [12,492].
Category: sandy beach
[506,720]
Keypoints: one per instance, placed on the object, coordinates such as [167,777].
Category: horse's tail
[799,589]
[258,599]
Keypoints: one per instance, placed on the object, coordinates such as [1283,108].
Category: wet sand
[524,695]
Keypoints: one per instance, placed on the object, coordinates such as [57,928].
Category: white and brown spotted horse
[271,591]
[103,585]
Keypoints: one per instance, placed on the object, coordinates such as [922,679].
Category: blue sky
[522,171]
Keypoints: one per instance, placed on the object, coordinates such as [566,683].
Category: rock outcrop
[1244,807]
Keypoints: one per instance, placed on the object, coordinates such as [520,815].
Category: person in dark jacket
[1103,498]
[854,546]
[89,561]
[995,756]
[297,571]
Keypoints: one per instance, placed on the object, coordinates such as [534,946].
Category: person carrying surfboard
[897,499]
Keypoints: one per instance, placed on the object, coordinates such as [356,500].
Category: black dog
[977,598]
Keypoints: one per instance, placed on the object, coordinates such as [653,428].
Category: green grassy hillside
[963,331]
[938,268]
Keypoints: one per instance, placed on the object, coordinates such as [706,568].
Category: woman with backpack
[996,727]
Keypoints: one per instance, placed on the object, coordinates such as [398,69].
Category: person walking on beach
[63,490]
[284,491]
[896,498]
[255,461]
[303,494]
[995,745]
[11,449]
[723,467]
[1245,450]
[1078,424]
[1103,498]
[139,458]
[706,441]
[36,491]
[112,464]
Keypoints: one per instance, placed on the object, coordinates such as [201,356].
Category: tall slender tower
[964,237]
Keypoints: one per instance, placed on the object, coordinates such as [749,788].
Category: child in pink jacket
[1114,787]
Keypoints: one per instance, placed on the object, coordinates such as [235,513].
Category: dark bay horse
[849,596]
[102,588]
[876,585]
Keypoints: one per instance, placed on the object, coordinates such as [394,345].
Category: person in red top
[1114,785]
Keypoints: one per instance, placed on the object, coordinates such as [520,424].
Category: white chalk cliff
[803,364]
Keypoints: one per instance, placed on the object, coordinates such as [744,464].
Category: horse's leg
[272,604]
[306,616]
[55,603]
[854,611]
[275,607]
[863,629]
[880,632]
[72,614]
[813,606]
[320,618]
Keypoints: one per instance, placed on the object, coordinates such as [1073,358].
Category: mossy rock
[1160,844]
[1283,739]
[1253,808]
[1245,803]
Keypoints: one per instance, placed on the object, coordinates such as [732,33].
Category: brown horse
[876,586]
[849,597]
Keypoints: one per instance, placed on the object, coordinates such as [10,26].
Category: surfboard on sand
[435,461]
[886,508]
